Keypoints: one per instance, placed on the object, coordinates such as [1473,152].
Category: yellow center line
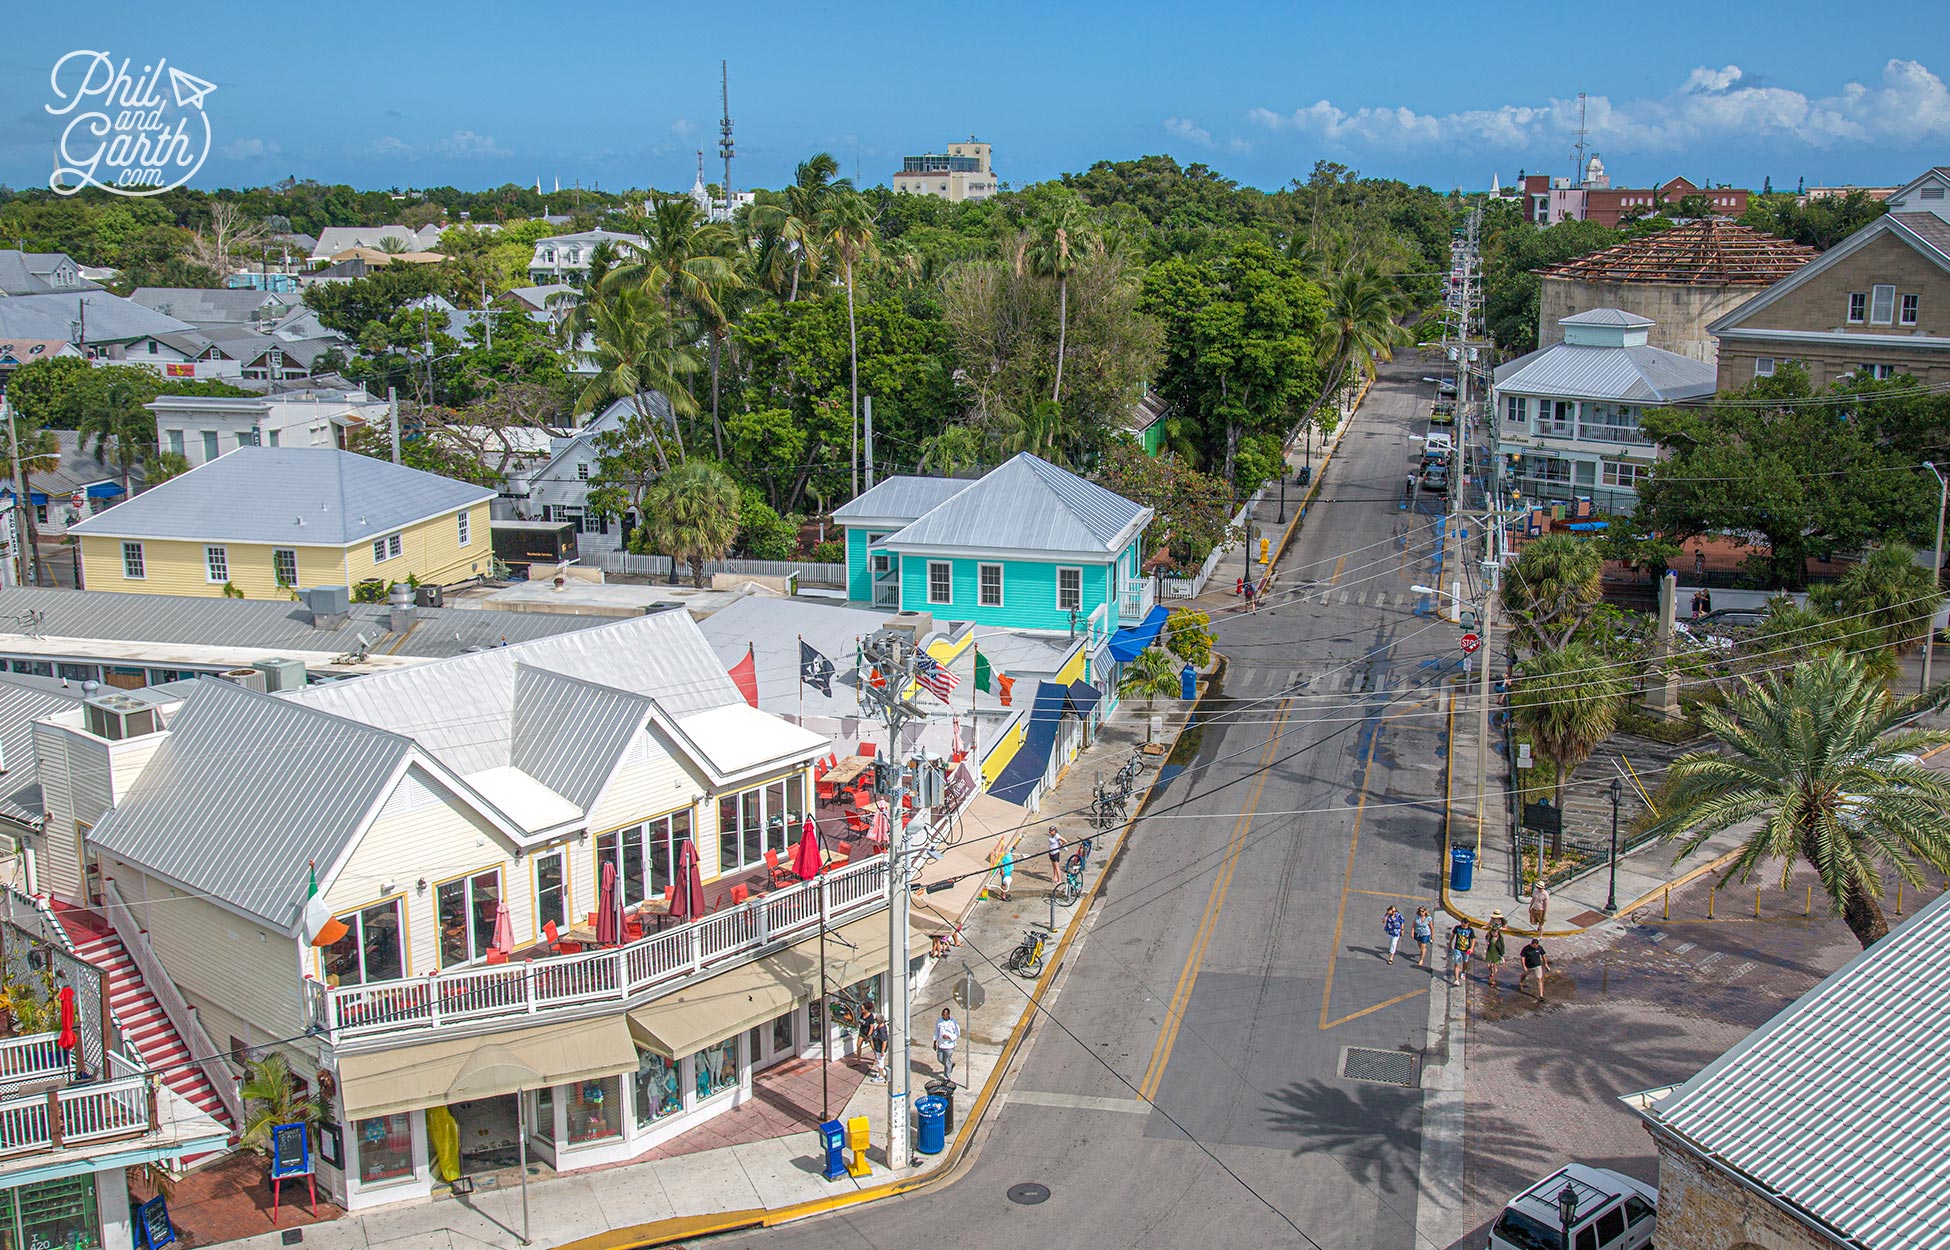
[1154,1072]
[1337,571]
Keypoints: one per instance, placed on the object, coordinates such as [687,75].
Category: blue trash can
[1462,867]
[931,1125]
[1188,683]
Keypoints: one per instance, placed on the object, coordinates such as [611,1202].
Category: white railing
[1135,601]
[36,1057]
[816,573]
[175,1009]
[619,977]
[72,1115]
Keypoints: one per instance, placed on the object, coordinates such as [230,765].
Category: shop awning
[1083,697]
[432,1074]
[1031,760]
[104,490]
[727,1004]
[984,831]
[1127,642]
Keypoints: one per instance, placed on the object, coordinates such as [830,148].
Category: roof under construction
[1708,252]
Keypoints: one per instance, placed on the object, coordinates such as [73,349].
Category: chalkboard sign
[290,1151]
[152,1226]
[331,1146]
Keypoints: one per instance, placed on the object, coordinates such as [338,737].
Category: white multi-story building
[564,258]
[201,428]
[963,173]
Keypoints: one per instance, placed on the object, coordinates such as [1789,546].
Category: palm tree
[1052,248]
[797,221]
[122,430]
[684,258]
[1887,599]
[1820,757]
[691,515]
[635,353]
[40,452]
[847,227]
[1151,674]
[272,1097]
[1361,329]
[1567,701]
[1550,589]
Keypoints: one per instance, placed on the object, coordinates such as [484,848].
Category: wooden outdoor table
[848,770]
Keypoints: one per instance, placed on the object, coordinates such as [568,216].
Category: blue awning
[1083,697]
[1588,527]
[104,490]
[1127,642]
[1025,769]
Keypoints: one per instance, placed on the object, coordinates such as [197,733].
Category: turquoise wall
[1028,593]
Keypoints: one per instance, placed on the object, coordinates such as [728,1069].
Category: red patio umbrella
[688,898]
[606,926]
[67,1039]
[504,930]
[806,861]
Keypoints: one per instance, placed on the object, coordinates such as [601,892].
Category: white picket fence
[811,573]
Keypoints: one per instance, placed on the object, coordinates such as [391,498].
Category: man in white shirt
[946,1033]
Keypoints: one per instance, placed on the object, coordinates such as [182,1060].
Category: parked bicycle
[1027,959]
[1070,888]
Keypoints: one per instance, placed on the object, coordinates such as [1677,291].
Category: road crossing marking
[1078,1102]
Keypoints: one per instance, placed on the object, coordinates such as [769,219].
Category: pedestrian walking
[1534,960]
[946,1033]
[1252,598]
[1424,935]
[1699,563]
[1540,905]
[879,1071]
[1462,941]
[863,1030]
[1055,853]
[1408,491]
[1493,947]
[1392,925]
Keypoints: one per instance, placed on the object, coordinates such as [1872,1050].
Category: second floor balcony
[49,1105]
[1136,600]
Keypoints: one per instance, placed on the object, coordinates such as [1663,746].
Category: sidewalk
[1644,874]
[771,1179]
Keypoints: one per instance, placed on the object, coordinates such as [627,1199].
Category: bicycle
[1070,888]
[1027,959]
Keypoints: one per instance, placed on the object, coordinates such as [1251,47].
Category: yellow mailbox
[859,1134]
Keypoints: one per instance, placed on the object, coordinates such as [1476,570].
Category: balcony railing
[615,978]
[1613,434]
[1135,600]
[123,1104]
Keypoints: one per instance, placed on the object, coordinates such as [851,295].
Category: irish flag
[322,928]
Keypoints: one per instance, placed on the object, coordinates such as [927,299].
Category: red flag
[745,674]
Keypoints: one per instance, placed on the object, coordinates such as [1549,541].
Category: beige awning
[985,831]
[432,1074]
[725,1005]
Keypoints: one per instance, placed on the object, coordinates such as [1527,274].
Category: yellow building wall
[431,551]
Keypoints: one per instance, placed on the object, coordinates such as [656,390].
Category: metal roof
[1606,317]
[569,733]
[22,702]
[1639,375]
[58,315]
[1028,505]
[246,789]
[21,273]
[1840,1105]
[901,498]
[297,496]
[203,306]
[1707,252]
[261,623]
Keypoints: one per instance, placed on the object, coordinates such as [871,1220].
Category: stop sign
[1470,642]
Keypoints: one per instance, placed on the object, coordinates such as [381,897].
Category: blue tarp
[1083,697]
[104,490]
[1127,642]
[1025,769]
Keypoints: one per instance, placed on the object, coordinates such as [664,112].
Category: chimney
[400,613]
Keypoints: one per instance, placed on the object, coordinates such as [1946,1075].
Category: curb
[676,1228]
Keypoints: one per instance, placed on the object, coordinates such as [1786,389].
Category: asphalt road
[1187,1075]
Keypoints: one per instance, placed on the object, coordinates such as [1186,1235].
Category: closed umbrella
[67,1039]
[877,831]
[688,898]
[806,861]
[606,928]
[504,930]
[955,747]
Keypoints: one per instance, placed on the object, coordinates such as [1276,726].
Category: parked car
[1614,1212]
[1435,479]
[1721,620]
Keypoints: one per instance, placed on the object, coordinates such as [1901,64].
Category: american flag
[939,681]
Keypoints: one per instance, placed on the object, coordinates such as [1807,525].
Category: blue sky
[382,95]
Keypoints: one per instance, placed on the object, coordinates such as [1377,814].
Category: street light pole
[1567,1210]
[1936,570]
[1617,790]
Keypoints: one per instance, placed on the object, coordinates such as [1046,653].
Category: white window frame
[1881,373]
[582,470]
[1610,476]
[1858,307]
[464,524]
[1069,605]
[175,440]
[948,571]
[1882,304]
[387,547]
[216,564]
[133,567]
[1763,366]
[1908,306]
[277,570]
[981,585]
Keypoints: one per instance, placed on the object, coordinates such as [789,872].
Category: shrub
[1188,636]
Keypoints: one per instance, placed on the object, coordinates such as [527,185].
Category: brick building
[1547,200]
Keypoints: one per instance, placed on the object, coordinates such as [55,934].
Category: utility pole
[868,416]
[1492,579]
[1936,571]
[392,418]
[20,494]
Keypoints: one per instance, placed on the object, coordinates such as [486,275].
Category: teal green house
[1028,546]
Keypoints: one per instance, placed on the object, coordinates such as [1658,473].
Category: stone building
[1825,1128]
[1681,279]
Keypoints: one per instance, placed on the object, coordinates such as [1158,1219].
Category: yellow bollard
[1711,890]
[1811,902]
[1668,913]
[1756,902]
[1899,898]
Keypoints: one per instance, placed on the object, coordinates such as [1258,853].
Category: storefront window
[467,909]
[657,1091]
[370,949]
[545,1113]
[595,1110]
[385,1148]
[52,1214]
[757,820]
[645,855]
[717,1068]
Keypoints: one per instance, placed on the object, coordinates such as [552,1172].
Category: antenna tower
[1577,177]
[724,130]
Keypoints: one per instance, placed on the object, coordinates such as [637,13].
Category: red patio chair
[855,823]
[867,749]
[557,943]
[841,853]
[828,791]
[739,894]
[781,875]
[633,929]
[497,956]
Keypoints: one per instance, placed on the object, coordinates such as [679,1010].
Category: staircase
[145,1029]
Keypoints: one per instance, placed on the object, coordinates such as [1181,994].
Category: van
[1438,442]
[1614,1212]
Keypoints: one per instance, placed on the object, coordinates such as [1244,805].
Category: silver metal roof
[22,702]
[218,622]
[901,498]
[569,733]
[1028,505]
[245,791]
[1605,317]
[302,496]
[58,315]
[1639,375]
[201,306]
[1840,1105]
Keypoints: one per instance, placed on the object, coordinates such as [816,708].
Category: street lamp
[1617,790]
[1567,1210]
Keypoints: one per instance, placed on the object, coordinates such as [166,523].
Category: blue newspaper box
[1188,683]
[931,1121]
[832,1136]
[1462,867]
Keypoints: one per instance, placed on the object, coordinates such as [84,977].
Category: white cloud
[1191,132]
[393,147]
[683,127]
[1910,106]
[468,145]
[250,149]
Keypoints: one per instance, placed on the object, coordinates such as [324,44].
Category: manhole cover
[1385,1067]
[1029,1194]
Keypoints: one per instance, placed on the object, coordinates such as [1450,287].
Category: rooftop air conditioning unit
[117,717]
[281,674]
[916,625]
[248,678]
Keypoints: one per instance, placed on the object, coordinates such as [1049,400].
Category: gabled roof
[1606,317]
[24,273]
[900,499]
[1028,505]
[568,733]
[1840,1105]
[1925,232]
[22,702]
[203,306]
[299,496]
[1638,375]
[1147,412]
[77,469]
[1707,252]
[245,791]
[110,318]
